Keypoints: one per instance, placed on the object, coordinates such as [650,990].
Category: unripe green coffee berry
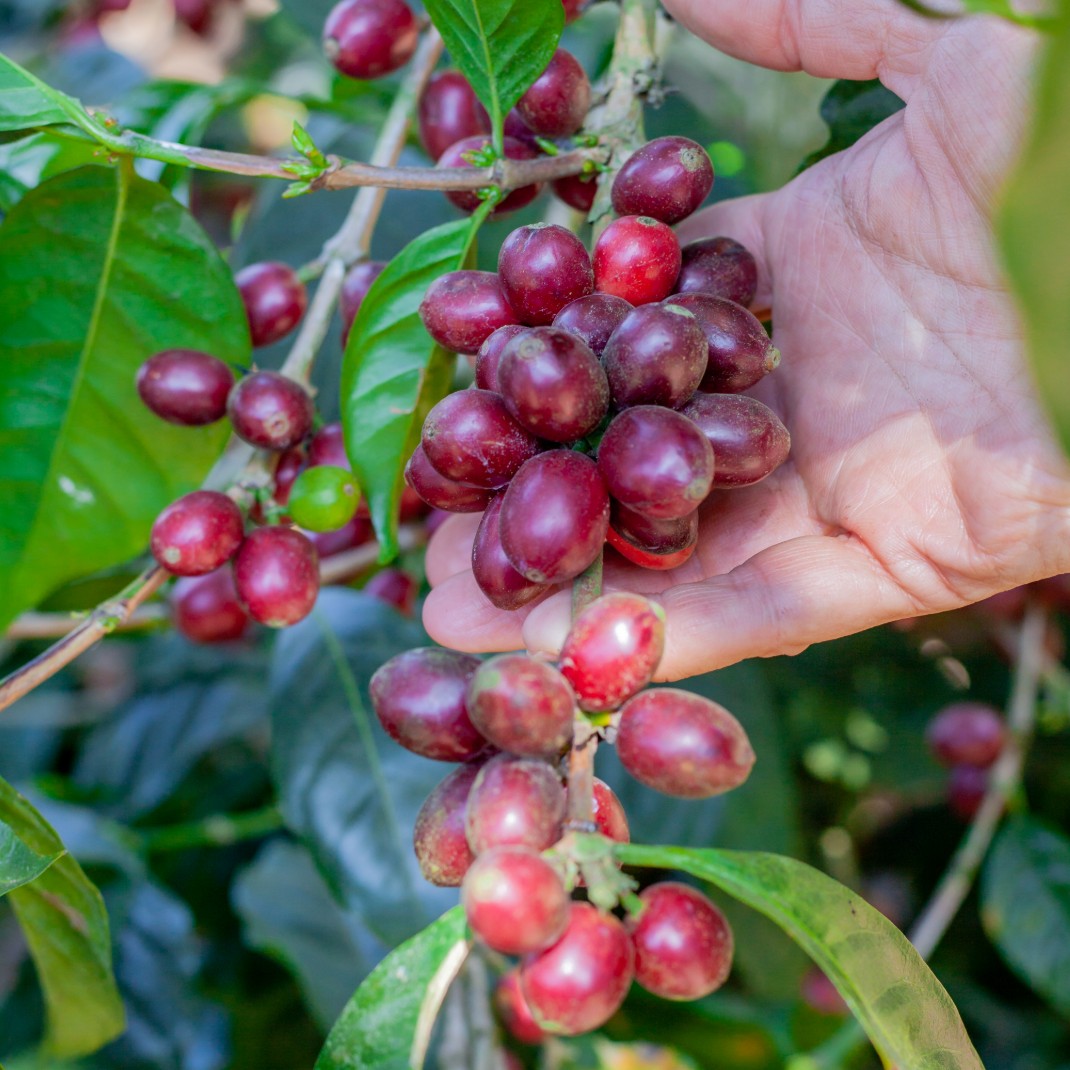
[323,498]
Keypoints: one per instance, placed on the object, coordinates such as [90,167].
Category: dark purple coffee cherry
[720,267]
[396,588]
[740,352]
[418,697]
[967,786]
[682,744]
[656,461]
[197,534]
[369,38]
[637,258]
[553,384]
[652,535]
[184,386]
[438,837]
[577,191]
[747,437]
[449,112]
[207,609]
[557,102]
[542,268]
[468,200]
[655,357]
[516,128]
[274,299]
[515,802]
[502,585]
[593,318]
[355,287]
[471,437]
[277,576]
[490,355]
[967,733]
[440,492]
[270,410]
[463,308]
[328,446]
[554,516]
[667,179]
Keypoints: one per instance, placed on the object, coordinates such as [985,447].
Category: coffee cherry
[197,534]
[183,386]
[649,559]
[579,983]
[471,437]
[747,437]
[370,38]
[515,802]
[574,8]
[395,587]
[683,943]
[356,533]
[418,697]
[594,319]
[490,354]
[636,258]
[277,576]
[463,308]
[438,836]
[553,384]
[514,149]
[440,492]
[741,352]
[328,446]
[542,267]
[291,464]
[682,744]
[966,788]
[557,102]
[514,1011]
[612,650]
[967,733]
[207,609]
[820,995]
[274,299]
[502,585]
[609,814]
[196,14]
[554,516]
[355,287]
[515,900]
[271,411]
[656,461]
[655,357]
[718,266]
[666,179]
[577,191]
[449,112]
[324,498]
[651,535]
[522,705]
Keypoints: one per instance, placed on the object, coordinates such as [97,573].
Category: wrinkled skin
[923,474]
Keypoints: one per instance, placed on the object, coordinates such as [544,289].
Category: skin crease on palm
[923,475]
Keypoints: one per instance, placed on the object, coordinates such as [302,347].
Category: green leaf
[894,995]
[1032,229]
[105,270]
[851,109]
[25,101]
[66,927]
[31,160]
[19,864]
[1025,906]
[393,373]
[500,46]
[387,1024]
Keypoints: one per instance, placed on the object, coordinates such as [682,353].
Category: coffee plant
[250,815]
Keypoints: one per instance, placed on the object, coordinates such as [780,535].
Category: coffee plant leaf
[85,467]
[896,998]
[27,102]
[851,109]
[1025,906]
[31,160]
[392,372]
[387,1024]
[500,46]
[65,924]
[19,863]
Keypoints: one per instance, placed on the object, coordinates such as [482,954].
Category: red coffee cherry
[666,179]
[650,559]
[197,534]
[463,308]
[579,983]
[682,744]
[514,1011]
[966,788]
[468,200]
[613,649]
[515,900]
[557,102]
[747,437]
[577,191]
[609,814]
[186,387]
[274,299]
[720,267]
[522,705]
[820,994]
[501,584]
[649,535]
[440,492]
[515,802]
[594,319]
[542,268]
[967,733]
[490,354]
[636,258]
[418,697]
[683,943]
[370,38]
[277,576]
[355,287]
[207,609]
[438,837]
[270,410]
[395,587]
[449,112]
[327,447]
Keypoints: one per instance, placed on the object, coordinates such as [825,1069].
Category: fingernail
[548,623]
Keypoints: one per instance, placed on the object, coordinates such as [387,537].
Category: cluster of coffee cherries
[497,825]
[967,737]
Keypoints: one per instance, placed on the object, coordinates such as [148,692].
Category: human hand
[923,474]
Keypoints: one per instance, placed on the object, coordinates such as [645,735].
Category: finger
[450,548]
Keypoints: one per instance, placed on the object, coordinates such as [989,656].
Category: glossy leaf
[387,1023]
[894,995]
[393,373]
[501,46]
[84,466]
[63,918]
[19,864]
[1025,906]
[31,160]
[26,102]
[851,109]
